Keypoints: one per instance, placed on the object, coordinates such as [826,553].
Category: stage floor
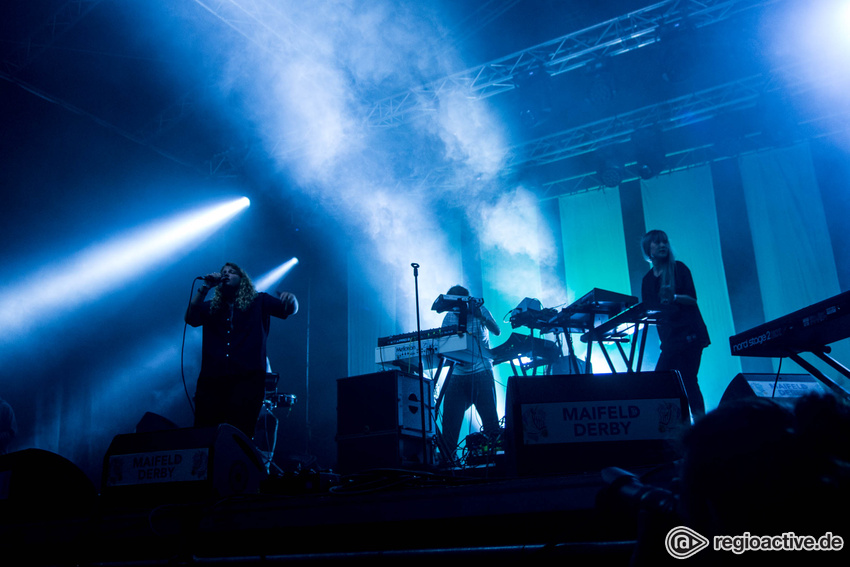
[381,514]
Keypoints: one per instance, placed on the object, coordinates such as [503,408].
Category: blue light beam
[63,286]
[268,280]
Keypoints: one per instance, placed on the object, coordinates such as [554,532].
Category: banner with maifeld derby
[599,421]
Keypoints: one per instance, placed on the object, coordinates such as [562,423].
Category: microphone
[210,279]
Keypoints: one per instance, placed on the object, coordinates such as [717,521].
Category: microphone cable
[183,350]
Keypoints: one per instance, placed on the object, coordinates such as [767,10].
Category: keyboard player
[669,287]
[470,383]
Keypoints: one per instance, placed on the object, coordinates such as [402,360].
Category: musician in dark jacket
[236,322]
[669,287]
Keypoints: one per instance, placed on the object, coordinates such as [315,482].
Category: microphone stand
[415,267]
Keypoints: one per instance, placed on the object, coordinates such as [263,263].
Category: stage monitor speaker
[39,483]
[154,422]
[181,464]
[382,402]
[584,423]
[785,388]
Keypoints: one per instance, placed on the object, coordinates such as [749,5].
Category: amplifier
[383,401]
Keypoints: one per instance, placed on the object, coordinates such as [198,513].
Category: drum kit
[273,399]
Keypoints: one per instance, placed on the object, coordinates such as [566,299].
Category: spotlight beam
[66,285]
[268,280]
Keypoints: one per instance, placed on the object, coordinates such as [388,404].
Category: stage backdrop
[757,242]
[793,248]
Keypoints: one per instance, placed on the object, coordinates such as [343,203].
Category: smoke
[504,225]
[513,228]
[321,68]
[474,141]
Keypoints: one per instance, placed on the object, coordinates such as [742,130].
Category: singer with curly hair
[235,325]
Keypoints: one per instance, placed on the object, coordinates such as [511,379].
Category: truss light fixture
[534,87]
[610,172]
[649,151]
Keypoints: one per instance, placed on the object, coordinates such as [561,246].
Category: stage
[381,514]
[196,495]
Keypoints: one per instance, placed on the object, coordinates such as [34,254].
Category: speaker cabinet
[181,464]
[584,423]
[784,387]
[383,402]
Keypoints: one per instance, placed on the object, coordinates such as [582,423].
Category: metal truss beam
[684,159]
[242,17]
[42,39]
[172,115]
[250,18]
[666,115]
[480,18]
[97,120]
[573,51]
[741,95]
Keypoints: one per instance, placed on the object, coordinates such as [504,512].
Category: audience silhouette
[750,469]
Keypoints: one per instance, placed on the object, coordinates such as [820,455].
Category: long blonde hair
[667,271]
[244,295]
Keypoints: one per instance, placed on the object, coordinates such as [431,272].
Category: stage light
[602,87]
[679,42]
[610,164]
[611,173]
[267,281]
[535,87]
[649,151]
[90,274]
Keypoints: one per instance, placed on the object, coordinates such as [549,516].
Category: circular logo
[683,542]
